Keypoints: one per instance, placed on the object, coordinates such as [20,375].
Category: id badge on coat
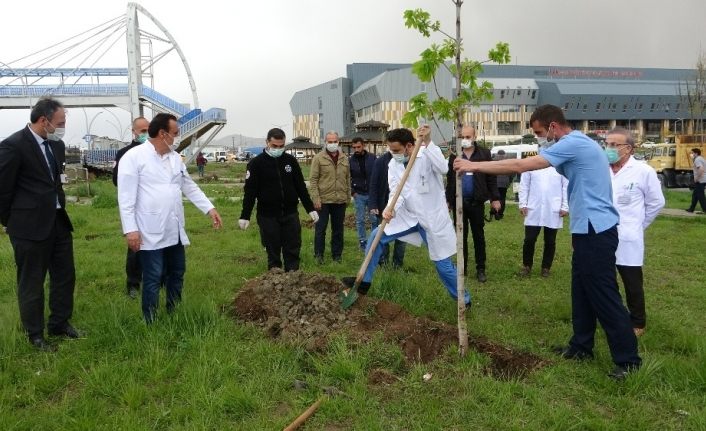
[63,179]
[424,185]
[624,199]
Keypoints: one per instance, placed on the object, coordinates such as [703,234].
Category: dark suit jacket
[379,190]
[485,187]
[119,156]
[27,192]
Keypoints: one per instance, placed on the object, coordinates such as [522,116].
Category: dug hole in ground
[303,308]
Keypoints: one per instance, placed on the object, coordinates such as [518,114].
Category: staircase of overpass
[60,71]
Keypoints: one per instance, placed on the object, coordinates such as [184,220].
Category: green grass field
[198,369]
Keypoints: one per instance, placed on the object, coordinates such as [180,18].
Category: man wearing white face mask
[637,195]
[477,188]
[275,180]
[330,187]
[32,207]
[133,270]
[151,182]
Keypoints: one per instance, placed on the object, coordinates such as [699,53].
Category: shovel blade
[348,297]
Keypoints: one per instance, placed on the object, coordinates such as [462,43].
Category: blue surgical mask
[142,138]
[275,152]
[400,158]
[612,154]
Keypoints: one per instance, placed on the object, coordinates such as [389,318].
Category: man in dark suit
[32,207]
[476,189]
[133,270]
[377,201]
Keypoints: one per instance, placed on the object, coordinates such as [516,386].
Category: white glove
[243,224]
[314,216]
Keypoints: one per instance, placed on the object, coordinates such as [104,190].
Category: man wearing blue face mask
[275,180]
[133,270]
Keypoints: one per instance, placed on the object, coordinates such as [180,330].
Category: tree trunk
[460,281]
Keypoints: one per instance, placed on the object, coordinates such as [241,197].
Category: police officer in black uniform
[275,179]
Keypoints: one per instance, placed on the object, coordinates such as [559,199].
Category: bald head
[468,132]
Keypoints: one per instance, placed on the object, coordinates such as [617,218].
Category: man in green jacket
[330,188]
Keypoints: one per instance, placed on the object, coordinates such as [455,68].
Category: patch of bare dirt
[304,308]
[348,221]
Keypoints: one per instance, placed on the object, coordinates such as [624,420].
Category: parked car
[221,156]
[244,156]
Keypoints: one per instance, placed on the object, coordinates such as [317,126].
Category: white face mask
[57,134]
[400,158]
[466,143]
[275,152]
[175,143]
[332,148]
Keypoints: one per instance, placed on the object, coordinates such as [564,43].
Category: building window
[321,104]
[638,107]
[598,106]
[585,107]
[566,106]
[625,107]
[423,88]
[502,94]
[652,108]
[334,86]
[534,93]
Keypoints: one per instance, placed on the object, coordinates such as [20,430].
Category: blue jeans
[168,263]
[361,212]
[444,267]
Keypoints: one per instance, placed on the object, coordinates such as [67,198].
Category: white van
[518,151]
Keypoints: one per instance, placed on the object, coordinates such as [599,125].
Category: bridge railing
[214,115]
[163,100]
[69,90]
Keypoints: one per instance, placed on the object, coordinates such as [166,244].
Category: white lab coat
[150,188]
[423,202]
[544,193]
[637,195]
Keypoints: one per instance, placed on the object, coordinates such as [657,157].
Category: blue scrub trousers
[444,267]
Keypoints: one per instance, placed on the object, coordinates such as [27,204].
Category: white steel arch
[134,57]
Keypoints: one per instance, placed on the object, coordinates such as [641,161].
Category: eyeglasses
[614,145]
[468,137]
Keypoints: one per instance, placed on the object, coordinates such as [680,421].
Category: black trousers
[133,269]
[282,238]
[698,196]
[473,213]
[595,295]
[337,214]
[531,234]
[634,293]
[503,195]
[33,259]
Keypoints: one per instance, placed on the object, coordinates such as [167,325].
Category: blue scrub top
[584,163]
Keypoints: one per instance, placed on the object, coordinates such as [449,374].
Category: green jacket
[329,182]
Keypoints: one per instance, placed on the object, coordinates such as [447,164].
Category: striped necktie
[51,159]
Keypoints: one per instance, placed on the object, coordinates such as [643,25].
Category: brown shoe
[639,332]
[525,271]
[545,272]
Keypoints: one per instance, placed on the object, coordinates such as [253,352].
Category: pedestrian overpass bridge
[60,71]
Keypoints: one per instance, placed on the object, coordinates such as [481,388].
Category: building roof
[615,88]
[367,135]
[302,143]
[372,124]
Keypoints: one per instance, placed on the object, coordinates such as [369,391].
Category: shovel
[349,296]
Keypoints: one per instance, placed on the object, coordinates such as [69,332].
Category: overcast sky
[249,57]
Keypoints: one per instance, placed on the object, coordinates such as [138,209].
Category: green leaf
[419,20]
[501,53]
[426,68]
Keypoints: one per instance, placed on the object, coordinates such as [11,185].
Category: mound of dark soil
[304,307]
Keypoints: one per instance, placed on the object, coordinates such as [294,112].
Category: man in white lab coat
[543,203]
[151,181]
[637,195]
[420,213]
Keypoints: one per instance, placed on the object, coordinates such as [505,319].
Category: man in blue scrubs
[594,288]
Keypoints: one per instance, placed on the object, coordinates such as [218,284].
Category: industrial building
[650,102]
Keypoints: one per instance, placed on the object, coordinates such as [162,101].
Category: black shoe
[133,291]
[362,288]
[545,272]
[337,259]
[480,275]
[689,210]
[525,271]
[362,244]
[319,260]
[620,372]
[569,353]
[67,331]
[40,343]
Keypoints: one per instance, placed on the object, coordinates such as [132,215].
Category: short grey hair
[624,132]
[332,132]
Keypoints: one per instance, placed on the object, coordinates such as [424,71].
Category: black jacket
[277,184]
[485,186]
[361,172]
[119,156]
[28,193]
[379,190]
